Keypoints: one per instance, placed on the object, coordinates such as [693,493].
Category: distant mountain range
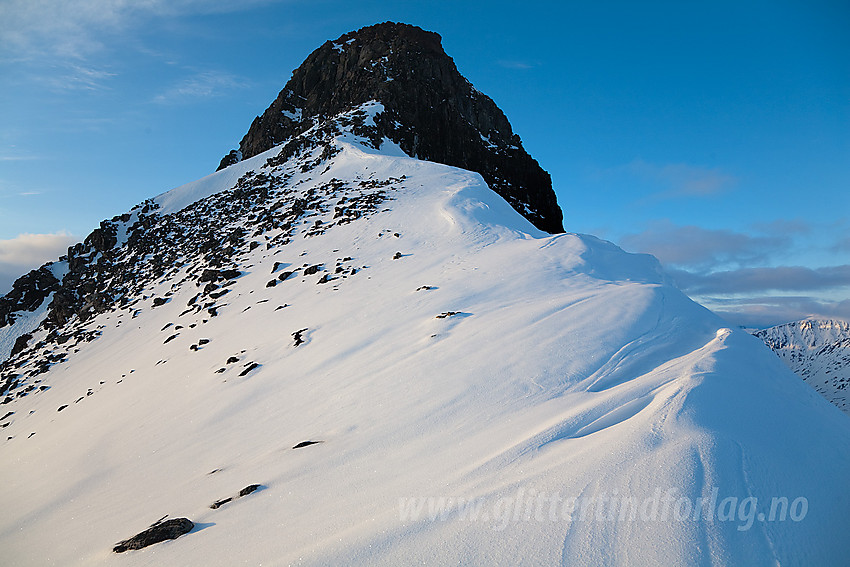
[818,351]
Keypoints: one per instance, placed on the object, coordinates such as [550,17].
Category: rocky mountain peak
[430,110]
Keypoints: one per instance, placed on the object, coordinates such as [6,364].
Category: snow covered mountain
[818,351]
[334,353]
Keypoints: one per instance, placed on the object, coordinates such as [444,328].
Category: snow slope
[818,351]
[531,368]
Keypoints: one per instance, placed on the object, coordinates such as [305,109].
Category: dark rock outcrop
[430,110]
[20,343]
[161,531]
[27,294]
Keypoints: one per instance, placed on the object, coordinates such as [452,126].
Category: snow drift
[479,392]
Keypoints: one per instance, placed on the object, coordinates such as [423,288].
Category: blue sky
[715,135]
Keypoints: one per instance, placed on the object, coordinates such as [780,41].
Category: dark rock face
[430,110]
[20,343]
[248,490]
[169,529]
[27,294]
[233,157]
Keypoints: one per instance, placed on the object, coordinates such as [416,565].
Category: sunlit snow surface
[569,370]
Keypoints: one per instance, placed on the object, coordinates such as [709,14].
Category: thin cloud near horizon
[27,252]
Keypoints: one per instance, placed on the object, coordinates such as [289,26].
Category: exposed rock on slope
[431,111]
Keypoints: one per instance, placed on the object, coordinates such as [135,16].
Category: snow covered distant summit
[430,110]
[818,350]
[335,353]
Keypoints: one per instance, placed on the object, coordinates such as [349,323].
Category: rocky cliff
[430,110]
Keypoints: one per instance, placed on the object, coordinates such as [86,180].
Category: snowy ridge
[818,351]
[432,343]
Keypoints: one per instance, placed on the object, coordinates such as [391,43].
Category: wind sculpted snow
[563,376]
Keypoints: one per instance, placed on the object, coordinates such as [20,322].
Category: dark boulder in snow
[20,343]
[161,531]
[248,490]
[244,492]
[249,367]
[298,336]
[209,275]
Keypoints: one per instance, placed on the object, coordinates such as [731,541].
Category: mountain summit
[430,110]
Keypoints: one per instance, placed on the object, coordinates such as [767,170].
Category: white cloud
[515,64]
[683,180]
[760,280]
[18,158]
[700,248]
[75,28]
[670,180]
[78,77]
[742,276]
[767,311]
[26,252]
[201,85]
[34,249]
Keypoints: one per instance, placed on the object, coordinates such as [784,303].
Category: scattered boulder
[244,492]
[209,275]
[249,367]
[160,301]
[299,337]
[397,255]
[447,314]
[20,344]
[212,275]
[160,531]
[219,503]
